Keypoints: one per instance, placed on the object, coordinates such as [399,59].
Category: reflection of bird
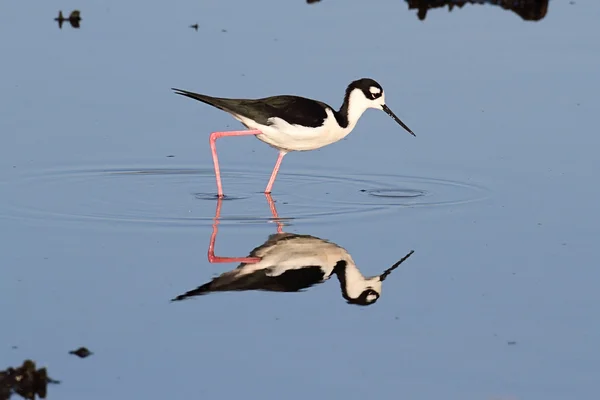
[292,123]
[291,263]
[195,26]
[74,19]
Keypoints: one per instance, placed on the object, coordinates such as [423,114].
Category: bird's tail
[204,289]
[213,101]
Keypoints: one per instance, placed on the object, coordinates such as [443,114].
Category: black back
[294,109]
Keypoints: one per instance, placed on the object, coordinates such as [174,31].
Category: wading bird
[293,123]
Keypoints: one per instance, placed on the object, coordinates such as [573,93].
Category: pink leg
[274,213]
[213,138]
[275,171]
[211,247]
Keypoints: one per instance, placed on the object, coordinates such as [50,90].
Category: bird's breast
[289,137]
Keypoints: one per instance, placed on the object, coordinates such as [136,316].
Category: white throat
[358,104]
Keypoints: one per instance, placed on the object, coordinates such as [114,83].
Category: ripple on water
[396,193]
[169,196]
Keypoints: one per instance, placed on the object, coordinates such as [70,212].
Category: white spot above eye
[374,90]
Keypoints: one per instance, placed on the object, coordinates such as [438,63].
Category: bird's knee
[214,136]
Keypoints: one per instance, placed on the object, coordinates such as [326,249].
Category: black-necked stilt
[292,123]
[290,263]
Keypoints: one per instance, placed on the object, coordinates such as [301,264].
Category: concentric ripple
[182,196]
[397,193]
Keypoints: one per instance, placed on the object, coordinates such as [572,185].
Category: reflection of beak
[391,114]
[393,267]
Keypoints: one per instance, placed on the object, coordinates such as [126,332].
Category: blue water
[100,228]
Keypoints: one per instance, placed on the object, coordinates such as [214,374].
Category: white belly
[284,136]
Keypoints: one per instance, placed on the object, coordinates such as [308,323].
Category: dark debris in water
[195,26]
[26,381]
[81,352]
[74,19]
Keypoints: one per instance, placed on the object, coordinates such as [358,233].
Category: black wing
[294,280]
[294,109]
[290,281]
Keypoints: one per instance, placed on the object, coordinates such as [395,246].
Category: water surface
[107,205]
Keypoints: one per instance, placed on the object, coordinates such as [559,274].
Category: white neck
[356,283]
[357,105]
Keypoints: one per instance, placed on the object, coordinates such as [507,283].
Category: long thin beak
[391,114]
[393,267]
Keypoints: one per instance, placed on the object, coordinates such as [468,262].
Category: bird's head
[366,93]
[357,289]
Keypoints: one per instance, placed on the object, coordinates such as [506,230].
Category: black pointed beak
[393,267]
[391,114]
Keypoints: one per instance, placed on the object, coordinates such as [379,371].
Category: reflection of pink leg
[213,138]
[274,212]
[211,247]
[275,171]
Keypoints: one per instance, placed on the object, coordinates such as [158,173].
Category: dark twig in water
[74,19]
